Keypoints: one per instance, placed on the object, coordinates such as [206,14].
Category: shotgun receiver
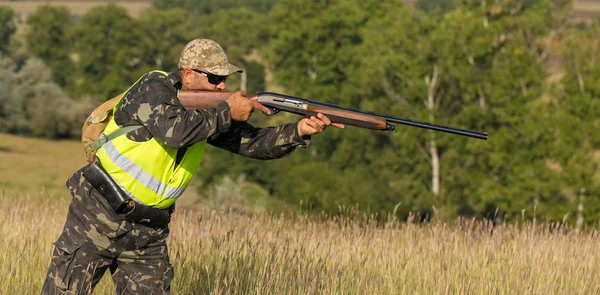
[200,99]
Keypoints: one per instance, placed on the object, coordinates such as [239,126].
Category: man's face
[201,80]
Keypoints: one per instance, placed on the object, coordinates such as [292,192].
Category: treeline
[95,56]
[521,70]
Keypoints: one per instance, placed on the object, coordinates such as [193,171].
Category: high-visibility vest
[147,171]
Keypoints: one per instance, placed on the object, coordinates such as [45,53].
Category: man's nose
[221,86]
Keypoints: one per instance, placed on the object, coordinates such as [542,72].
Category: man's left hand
[315,125]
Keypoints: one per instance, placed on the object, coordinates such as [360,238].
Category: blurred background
[525,71]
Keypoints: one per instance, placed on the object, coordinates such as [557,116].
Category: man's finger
[324,119]
[310,123]
[338,125]
[257,106]
[320,124]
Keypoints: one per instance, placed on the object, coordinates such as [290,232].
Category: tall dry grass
[225,253]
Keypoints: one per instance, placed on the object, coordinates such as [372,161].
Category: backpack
[92,137]
[95,124]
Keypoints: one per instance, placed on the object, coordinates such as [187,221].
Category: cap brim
[223,70]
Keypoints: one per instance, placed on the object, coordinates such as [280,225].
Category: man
[151,166]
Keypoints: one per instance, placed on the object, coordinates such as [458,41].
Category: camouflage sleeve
[154,104]
[260,143]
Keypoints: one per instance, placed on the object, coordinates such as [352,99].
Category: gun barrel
[435,127]
[351,116]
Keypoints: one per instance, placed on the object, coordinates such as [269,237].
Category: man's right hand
[242,107]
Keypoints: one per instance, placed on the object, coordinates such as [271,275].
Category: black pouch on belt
[121,203]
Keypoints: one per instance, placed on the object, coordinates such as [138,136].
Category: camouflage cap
[206,55]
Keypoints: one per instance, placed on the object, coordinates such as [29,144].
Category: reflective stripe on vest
[148,180]
[147,171]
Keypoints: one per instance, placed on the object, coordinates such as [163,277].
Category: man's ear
[186,76]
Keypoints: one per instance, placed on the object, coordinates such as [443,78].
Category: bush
[32,104]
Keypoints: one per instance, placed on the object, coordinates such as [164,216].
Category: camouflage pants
[95,239]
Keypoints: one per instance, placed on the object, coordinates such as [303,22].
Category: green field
[24,8]
[30,165]
[222,252]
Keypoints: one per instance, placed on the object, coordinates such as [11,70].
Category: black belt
[121,203]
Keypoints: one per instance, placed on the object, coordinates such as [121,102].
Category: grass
[30,165]
[224,251]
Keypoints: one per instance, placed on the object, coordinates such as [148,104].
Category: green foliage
[256,77]
[7,104]
[312,44]
[163,35]
[435,5]
[31,104]
[7,28]
[576,113]
[49,38]
[496,66]
[107,41]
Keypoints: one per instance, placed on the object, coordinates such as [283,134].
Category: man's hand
[242,107]
[315,125]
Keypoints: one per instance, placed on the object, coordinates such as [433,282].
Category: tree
[400,73]
[576,109]
[256,77]
[108,42]
[433,5]
[31,104]
[7,28]
[163,35]
[493,59]
[7,102]
[49,38]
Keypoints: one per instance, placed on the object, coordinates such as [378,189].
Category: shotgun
[275,102]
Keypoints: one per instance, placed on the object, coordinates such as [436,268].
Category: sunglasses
[212,78]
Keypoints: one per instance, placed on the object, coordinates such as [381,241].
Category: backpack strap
[96,145]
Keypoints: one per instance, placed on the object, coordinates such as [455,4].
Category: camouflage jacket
[153,103]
